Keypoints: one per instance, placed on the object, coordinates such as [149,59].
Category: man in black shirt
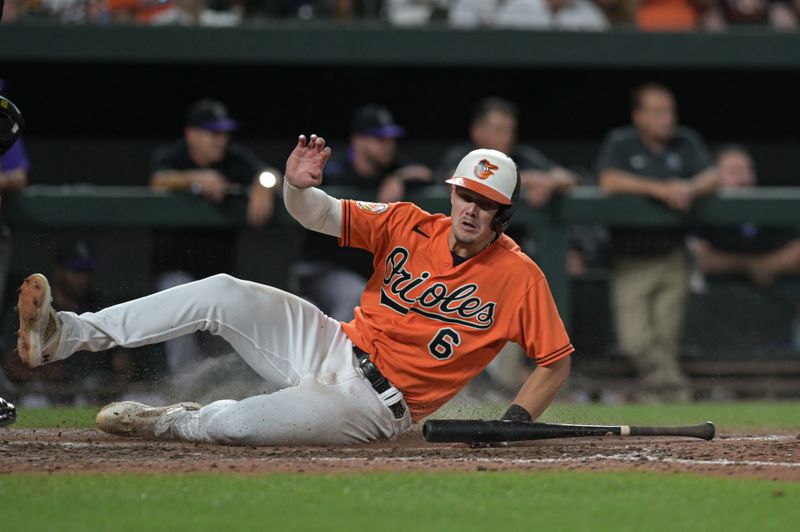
[650,267]
[206,162]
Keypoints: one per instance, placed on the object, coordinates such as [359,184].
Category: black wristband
[516,413]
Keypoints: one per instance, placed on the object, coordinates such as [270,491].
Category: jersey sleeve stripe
[346,228]
[342,240]
[558,353]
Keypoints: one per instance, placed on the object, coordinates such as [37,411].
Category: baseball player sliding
[446,294]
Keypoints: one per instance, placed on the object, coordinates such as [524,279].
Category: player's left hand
[306,162]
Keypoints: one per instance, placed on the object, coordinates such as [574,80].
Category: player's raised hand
[305,163]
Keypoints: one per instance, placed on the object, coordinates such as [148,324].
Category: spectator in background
[334,278]
[528,14]
[650,267]
[14,167]
[133,11]
[64,11]
[197,13]
[777,14]
[619,13]
[758,253]
[339,10]
[13,10]
[415,12]
[73,11]
[678,15]
[207,163]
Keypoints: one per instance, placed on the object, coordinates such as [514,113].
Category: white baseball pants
[289,342]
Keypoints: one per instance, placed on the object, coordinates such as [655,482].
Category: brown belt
[377,380]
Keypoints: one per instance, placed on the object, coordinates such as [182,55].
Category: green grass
[519,500]
[67,417]
[784,416]
[384,502]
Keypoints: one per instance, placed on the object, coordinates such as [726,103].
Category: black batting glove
[516,413]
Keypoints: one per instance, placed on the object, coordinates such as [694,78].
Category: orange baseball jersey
[430,326]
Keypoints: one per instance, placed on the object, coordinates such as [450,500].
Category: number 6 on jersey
[441,347]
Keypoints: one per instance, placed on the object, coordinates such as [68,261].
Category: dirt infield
[71,450]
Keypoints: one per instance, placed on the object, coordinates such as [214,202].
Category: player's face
[656,116]
[471,218]
[206,147]
[496,131]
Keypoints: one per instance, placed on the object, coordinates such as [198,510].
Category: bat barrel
[492,431]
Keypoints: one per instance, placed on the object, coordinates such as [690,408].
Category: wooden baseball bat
[492,431]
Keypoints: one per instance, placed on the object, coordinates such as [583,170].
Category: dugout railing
[95,207]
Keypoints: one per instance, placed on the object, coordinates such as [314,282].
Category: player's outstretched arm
[310,206]
[306,162]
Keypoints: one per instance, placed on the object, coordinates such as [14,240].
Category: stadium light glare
[267,179]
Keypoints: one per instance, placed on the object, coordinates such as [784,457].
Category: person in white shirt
[528,14]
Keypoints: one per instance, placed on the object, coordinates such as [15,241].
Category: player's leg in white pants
[285,339]
[182,352]
[313,413]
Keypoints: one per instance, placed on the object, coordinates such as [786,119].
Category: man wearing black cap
[334,278]
[206,162]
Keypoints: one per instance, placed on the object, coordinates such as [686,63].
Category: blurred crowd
[588,15]
[650,269]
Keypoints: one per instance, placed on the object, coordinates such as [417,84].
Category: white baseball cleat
[129,418]
[39,325]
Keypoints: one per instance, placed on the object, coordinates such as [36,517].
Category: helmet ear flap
[502,219]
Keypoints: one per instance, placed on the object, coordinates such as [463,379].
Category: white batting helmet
[490,173]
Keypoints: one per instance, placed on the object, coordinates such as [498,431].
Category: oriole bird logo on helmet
[484,169]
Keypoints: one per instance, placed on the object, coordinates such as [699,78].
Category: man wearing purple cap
[206,162]
[334,278]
